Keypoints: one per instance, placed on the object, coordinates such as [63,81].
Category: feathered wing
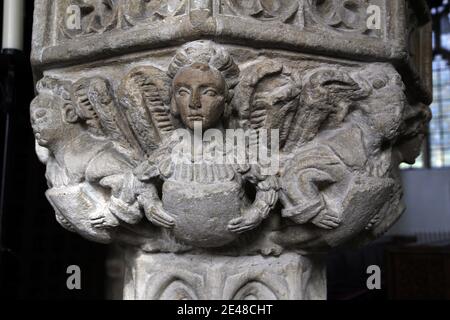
[326,97]
[95,101]
[144,96]
[251,116]
[267,99]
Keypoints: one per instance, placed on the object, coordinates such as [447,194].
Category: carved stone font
[227,168]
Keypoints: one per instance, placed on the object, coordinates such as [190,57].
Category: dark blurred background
[35,251]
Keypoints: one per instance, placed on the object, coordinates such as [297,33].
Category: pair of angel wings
[305,102]
[137,117]
[140,118]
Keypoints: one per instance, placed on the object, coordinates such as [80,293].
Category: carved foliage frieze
[349,16]
[100,16]
[263,10]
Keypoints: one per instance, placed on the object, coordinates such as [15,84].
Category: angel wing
[144,96]
[95,102]
[252,116]
[326,97]
[267,98]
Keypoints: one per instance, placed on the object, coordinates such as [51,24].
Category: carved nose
[195,101]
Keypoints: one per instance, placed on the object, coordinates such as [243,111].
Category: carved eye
[183,92]
[210,92]
[378,84]
[40,113]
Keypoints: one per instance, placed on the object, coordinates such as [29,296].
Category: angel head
[386,102]
[204,76]
[51,111]
[61,112]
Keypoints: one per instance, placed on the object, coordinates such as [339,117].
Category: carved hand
[159,217]
[250,219]
[123,202]
[128,212]
[104,220]
[327,219]
[265,200]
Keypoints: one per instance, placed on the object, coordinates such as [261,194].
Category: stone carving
[65,123]
[141,12]
[200,92]
[264,10]
[99,16]
[323,166]
[225,170]
[338,130]
[227,278]
[342,15]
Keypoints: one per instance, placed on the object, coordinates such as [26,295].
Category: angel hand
[159,217]
[250,219]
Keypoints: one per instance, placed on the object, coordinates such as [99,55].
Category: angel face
[200,95]
[46,119]
[385,107]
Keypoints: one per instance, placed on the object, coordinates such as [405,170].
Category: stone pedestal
[193,277]
[229,144]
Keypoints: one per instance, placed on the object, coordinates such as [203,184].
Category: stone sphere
[203,212]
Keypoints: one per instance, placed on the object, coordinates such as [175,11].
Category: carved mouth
[196,118]
[39,139]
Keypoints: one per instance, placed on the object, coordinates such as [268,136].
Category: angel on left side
[87,157]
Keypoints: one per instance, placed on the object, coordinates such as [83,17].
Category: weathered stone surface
[179,277]
[132,126]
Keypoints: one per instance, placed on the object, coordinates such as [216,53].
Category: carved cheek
[216,106]
[55,123]
[50,132]
[50,120]
[182,103]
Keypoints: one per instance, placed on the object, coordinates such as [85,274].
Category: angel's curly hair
[77,96]
[207,52]
[55,87]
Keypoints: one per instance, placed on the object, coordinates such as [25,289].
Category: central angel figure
[204,203]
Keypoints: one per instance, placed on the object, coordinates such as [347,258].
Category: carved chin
[40,140]
[205,125]
[191,122]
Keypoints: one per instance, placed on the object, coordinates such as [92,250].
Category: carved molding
[159,277]
[109,28]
